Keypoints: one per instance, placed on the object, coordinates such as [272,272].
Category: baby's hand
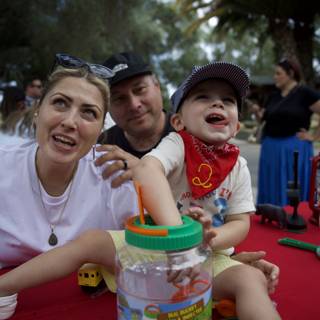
[199,215]
[177,274]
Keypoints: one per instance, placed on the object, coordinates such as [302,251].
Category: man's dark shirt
[115,135]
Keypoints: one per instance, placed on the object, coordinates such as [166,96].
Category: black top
[115,135]
[285,116]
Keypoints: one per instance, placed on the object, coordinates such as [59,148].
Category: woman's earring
[94,152]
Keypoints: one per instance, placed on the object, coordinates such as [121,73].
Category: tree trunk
[296,43]
[303,34]
[283,37]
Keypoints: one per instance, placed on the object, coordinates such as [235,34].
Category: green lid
[154,237]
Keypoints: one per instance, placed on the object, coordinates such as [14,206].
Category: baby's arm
[156,193]
[240,205]
[228,235]
[60,262]
[232,232]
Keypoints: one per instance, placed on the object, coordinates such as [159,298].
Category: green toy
[301,245]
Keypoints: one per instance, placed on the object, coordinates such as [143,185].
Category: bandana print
[207,165]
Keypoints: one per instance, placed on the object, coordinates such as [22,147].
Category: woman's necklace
[53,239]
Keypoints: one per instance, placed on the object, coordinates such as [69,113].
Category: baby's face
[210,112]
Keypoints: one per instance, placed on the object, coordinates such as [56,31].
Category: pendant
[53,240]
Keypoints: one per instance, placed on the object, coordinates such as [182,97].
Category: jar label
[197,307]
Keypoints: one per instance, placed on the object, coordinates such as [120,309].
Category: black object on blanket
[295,221]
[270,212]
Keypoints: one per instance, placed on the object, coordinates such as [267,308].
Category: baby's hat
[229,72]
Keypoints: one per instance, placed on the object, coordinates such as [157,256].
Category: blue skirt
[276,169]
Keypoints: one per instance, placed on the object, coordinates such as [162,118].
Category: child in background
[207,177]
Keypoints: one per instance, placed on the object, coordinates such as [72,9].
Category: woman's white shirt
[25,225]
[10,139]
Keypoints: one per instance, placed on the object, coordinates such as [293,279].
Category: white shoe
[8,306]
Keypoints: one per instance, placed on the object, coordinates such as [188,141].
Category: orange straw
[139,194]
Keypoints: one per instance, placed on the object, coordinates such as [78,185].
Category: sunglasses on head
[68,61]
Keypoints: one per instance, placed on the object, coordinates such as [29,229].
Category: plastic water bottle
[152,257]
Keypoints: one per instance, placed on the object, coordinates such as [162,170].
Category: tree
[289,24]
[31,32]
[176,54]
[15,39]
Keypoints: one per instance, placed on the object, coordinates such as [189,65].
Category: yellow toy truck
[90,278]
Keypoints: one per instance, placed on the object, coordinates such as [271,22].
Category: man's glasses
[68,61]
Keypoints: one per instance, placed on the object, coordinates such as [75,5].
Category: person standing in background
[33,90]
[286,116]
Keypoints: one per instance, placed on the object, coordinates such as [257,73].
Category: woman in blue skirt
[287,114]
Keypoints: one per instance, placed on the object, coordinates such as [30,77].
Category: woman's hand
[303,134]
[122,161]
[256,110]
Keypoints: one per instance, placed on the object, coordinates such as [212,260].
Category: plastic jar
[154,254]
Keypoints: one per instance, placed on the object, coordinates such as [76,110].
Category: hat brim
[129,73]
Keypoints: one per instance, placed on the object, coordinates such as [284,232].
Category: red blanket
[297,294]
[296,297]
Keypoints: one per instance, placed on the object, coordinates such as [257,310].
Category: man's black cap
[126,65]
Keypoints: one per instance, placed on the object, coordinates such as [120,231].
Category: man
[141,122]
[136,106]
[33,89]
[137,109]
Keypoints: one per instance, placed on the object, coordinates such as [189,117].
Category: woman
[287,114]
[60,191]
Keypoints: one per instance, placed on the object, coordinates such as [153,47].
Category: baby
[207,177]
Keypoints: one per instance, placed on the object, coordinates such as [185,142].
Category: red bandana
[207,165]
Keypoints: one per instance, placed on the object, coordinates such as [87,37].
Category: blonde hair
[61,73]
